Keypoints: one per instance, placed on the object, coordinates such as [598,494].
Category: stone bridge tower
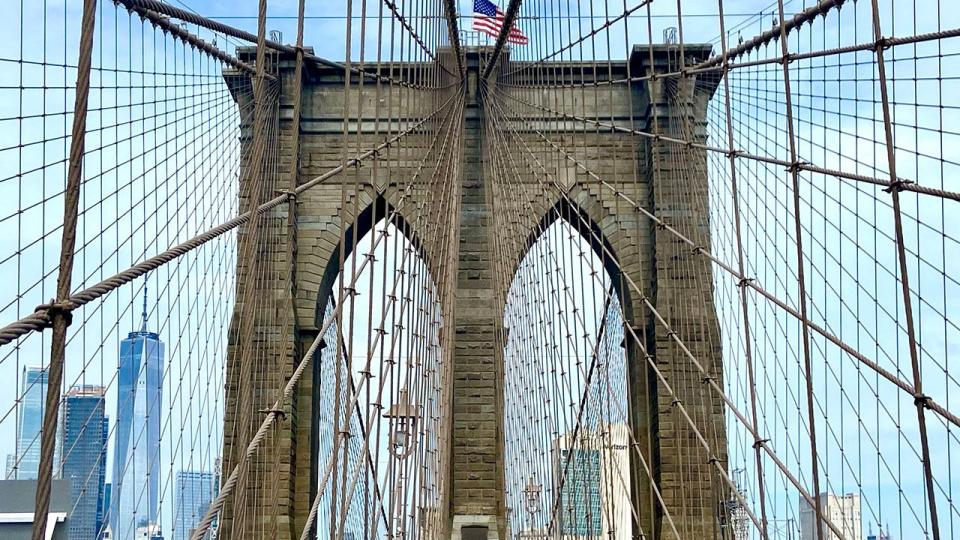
[675,280]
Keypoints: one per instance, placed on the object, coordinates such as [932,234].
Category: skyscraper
[843,511]
[85,429]
[881,535]
[594,468]
[136,459]
[104,526]
[195,492]
[33,395]
[580,513]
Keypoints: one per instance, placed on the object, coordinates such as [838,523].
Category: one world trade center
[136,460]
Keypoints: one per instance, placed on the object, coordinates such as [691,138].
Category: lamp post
[403,442]
[531,500]
[404,426]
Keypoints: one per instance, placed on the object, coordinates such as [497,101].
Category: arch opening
[378,401]
[567,420]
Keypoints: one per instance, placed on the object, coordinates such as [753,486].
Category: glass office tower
[195,492]
[85,458]
[33,392]
[136,458]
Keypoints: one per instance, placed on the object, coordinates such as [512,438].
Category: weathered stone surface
[667,180]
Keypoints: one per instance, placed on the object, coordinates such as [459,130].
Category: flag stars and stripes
[488,18]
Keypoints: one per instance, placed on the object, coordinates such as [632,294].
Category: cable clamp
[141,13]
[675,402]
[786,59]
[54,308]
[760,442]
[291,194]
[706,379]
[713,460]
[882,44]
[897,185]
[279,413]
[923,400]
[795,167]
[744,281]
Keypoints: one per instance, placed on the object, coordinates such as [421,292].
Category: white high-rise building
[150,531]
[594,469]
[843,511]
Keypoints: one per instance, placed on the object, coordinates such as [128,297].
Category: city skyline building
[149,531]
[104,530]
[136,451]
[881,535]
[33,394]
[591,471]
[843,511]
[85,429]
[195,491]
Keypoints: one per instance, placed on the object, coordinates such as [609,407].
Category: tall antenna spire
[144,314]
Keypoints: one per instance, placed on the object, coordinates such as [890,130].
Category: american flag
[488,18]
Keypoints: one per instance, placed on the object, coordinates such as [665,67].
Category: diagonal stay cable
[450,12]
[643,461]
[608,22]
[275,411]
[509,17]
[41,318]
[164,24]
[901,183]
[376,342]
[184,15]
[672,334]
[677,402]
[903,385]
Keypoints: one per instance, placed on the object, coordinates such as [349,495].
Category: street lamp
[405,416]
[531,495]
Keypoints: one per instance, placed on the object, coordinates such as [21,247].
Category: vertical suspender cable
[61,309]
[919,399]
